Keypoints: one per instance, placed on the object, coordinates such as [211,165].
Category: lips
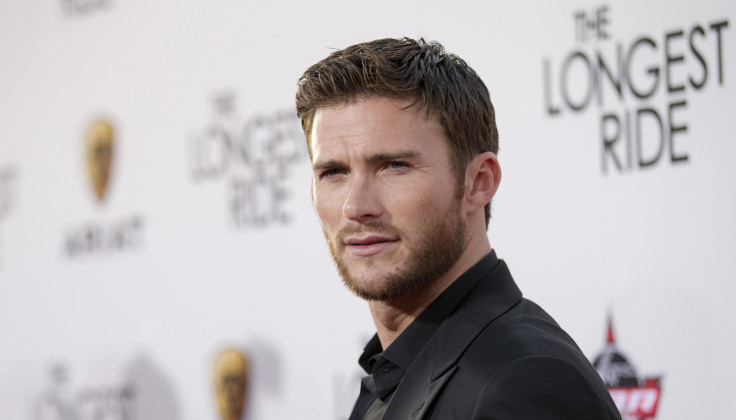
[370,245]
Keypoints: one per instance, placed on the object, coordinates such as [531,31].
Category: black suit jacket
[500,356]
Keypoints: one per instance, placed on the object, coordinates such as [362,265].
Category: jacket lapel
[434,389]
[437,362]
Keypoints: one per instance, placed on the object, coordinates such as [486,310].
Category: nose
[363,200]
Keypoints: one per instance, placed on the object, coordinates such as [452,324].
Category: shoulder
[524,365]
[524,330]
[543,387]
[526,339]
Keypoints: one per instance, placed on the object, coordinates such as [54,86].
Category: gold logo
[99,144]
[231,383]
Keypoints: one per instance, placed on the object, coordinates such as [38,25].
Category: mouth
[370,245]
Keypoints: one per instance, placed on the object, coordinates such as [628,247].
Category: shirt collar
[387,367]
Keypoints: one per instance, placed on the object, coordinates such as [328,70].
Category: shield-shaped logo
[99,147]
[231,383]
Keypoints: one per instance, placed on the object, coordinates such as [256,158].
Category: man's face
[386,195]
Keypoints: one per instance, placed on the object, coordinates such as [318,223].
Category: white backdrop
[207,238]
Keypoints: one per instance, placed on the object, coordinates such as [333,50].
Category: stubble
[439,245]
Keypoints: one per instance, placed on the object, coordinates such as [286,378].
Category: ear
[482,177]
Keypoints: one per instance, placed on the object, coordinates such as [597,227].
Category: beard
[438,246]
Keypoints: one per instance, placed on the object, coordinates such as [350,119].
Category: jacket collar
[493,293]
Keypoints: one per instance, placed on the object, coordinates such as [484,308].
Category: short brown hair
[441,83]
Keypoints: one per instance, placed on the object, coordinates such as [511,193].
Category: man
[403,142]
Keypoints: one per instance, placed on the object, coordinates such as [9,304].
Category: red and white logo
[636,397]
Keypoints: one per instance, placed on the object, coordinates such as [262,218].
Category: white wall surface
[652,245]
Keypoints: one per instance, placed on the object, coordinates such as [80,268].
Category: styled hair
[441,84]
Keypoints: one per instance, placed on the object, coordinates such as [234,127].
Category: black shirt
[385,369]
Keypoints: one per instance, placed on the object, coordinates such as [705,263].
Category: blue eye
[397,165]
[330,173]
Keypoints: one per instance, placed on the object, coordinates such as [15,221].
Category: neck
[391,317]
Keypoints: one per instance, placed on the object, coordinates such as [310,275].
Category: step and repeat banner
[160,257]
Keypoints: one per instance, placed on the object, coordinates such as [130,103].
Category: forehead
[371,124]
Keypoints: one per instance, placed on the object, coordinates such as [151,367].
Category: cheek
[423,204]
[417,196]
[328,209]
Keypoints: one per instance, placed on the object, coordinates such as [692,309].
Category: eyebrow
[378,157]
[328,164]
[383,157]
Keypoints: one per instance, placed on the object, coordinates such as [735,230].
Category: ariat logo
[231,383]
[108,234]
[99,151]
[636,397]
